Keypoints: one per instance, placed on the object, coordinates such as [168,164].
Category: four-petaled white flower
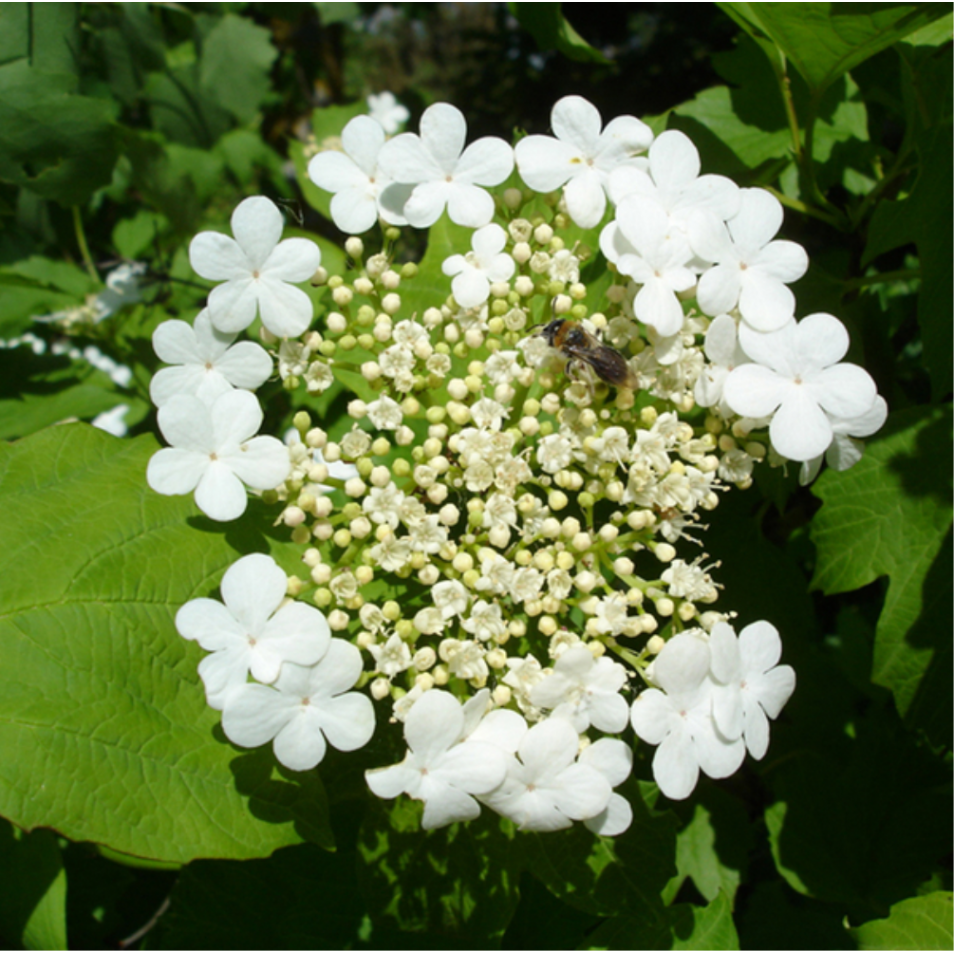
[677,717]
[581,157]
[443,172]
[749,687]
[750,270]
[205,361]
[251,630]
[306,706]
[474,272]
[438,769]
[798,377]
[546,788]
[215,453]
[355,179]
[255,268]
[386,110]
[584,691]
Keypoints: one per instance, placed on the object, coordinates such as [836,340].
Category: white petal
[222,673]
[446,806]
[234,304]
[652,716]
[172,471]
[467,205]
[257,227]
[300,745]
[191,379]
[348,721]
[254,715]
[210,624]
[427,202]
[217,257]
[764,302]
[391,781]
[577,121]
[262,463]
[335,172]
[549,747]
[724,649]
[673,160]
[443,132]
[220,494]
[844,391]
[585,199]
[719,288]
[613,758]
[682,663]
[758,220]
[294,260]
[253,588]
[545,163]
[760,647]
[755,391]
[470,288]
[236,416]
[245,365]
[354,211]
[286,311]
[613,820]
[800,430]
[175,343]
[486,162]
[475,767]
[675,767]
[433,725]
[186,423]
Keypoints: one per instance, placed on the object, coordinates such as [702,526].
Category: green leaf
[44,36]
[104,730]
[59,145]
[546,23]
[917,924]
[234,69]
[924,218]
[890,515]
[32,889]
[823,41]
[712,849]
[712,927]
[338,12]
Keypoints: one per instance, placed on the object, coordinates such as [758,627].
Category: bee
[578,346]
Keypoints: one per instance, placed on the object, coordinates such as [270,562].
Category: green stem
[83,247]
[806,209]
[883,278]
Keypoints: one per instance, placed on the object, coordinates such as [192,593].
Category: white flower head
[205,361]
[308,707]
[798,377]
[474,272]
[215,454]
[438,769]
[581,156]
[255,268]
[355,178]
[253,629]
[445,174]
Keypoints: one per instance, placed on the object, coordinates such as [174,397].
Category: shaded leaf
[546,23]
[890,515]
[917,924]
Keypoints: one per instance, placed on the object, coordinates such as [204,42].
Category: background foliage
[125,128]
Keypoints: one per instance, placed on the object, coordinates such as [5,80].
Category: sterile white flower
[798,378]
[613,759]
[749,687]
[845,449]
[438,769]
[386,110]
[256,267]
[206,362]
[643,246]
[581,157]
[251,630]
[443,172]
[584,691]
[749,268]
[546,788]
[724,353]
[215,454]
[391,657]
[474,272]
[355,178]
[306,706]
[677,718]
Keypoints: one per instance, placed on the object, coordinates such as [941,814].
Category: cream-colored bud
[665,606]
[363,285]
[429,575]
[338,620]
[355,487]
[665,552]
[380,688]
[473,338]
[686,611]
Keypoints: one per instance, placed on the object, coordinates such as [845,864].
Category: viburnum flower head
[445,174]
[205,361]
[438,769]
[253,629]
[677,717]
[215,454]
[255,268]
[749,686]
[474,272]
[307,707]
[356,180]
[798,377]
[581,157]
[749,270]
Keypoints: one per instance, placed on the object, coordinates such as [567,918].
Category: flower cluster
[496,531]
